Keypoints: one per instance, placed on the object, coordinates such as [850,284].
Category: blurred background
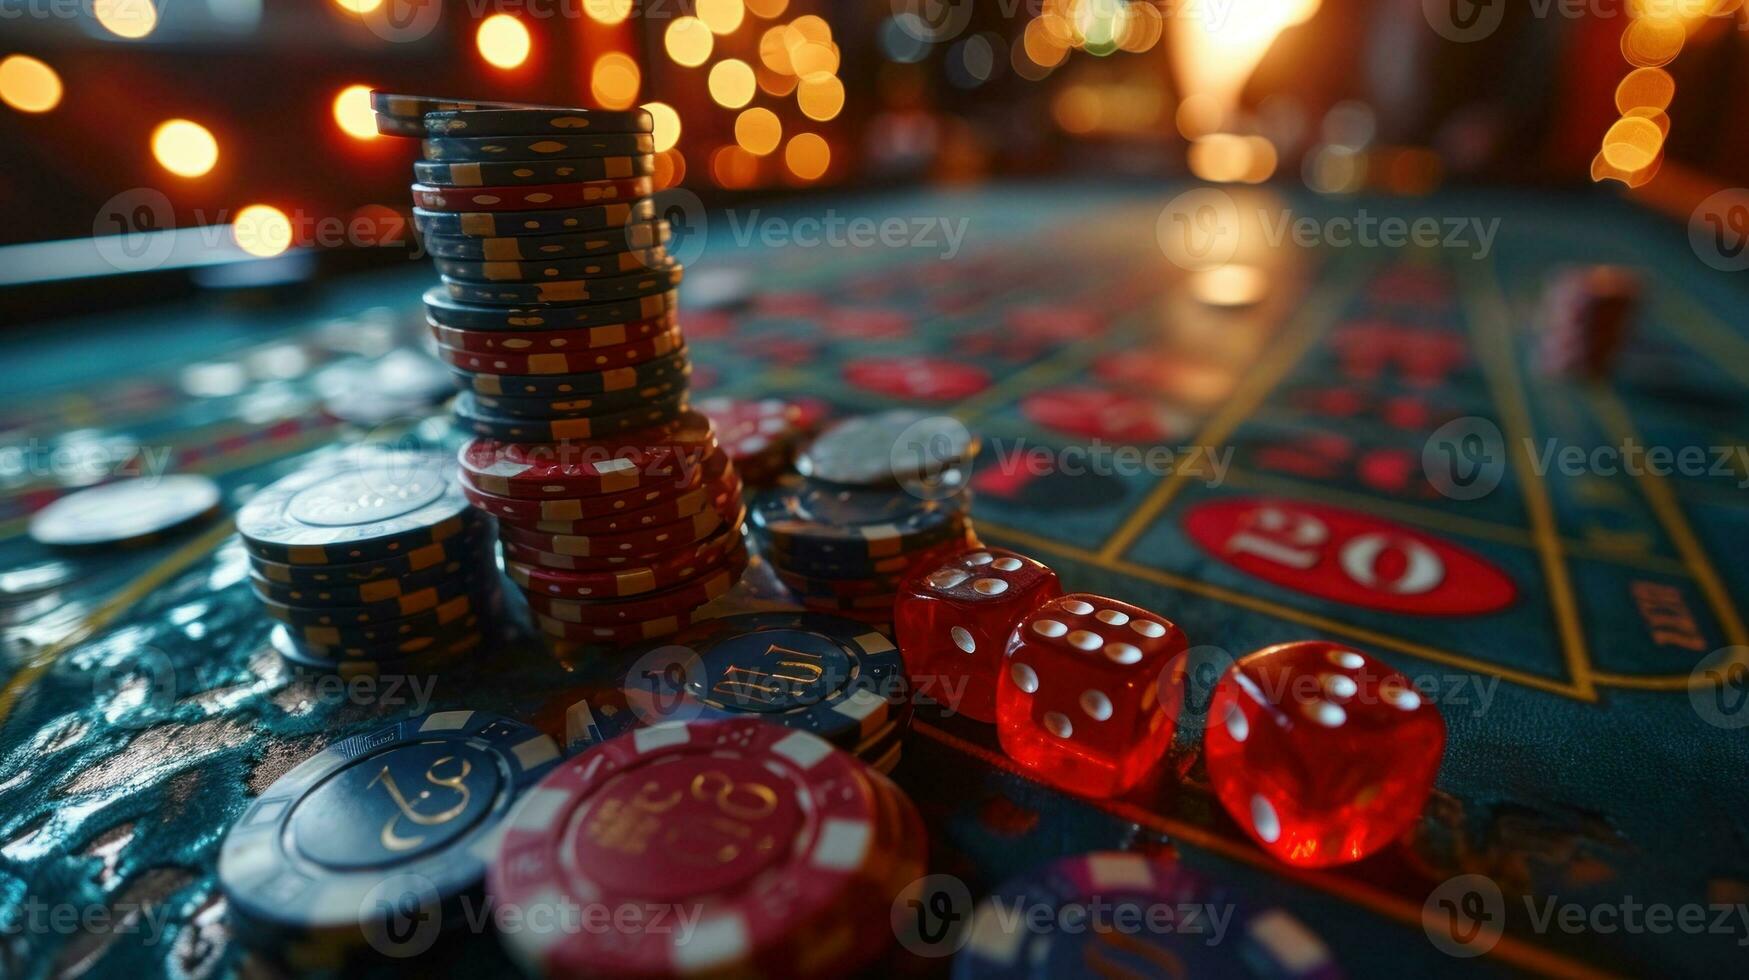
[256,112]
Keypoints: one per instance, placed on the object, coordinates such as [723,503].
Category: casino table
[1579,620]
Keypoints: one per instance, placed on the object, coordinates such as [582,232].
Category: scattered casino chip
[496,225]
[637,232]
[470,149]
[761,435]
[486,120]
[396,822]
[125,512]
[1073,896]
[355,510]
[896,447]
[842,523]
[823,824]
[517,172]
[663,277]
[442,311]
[534,197]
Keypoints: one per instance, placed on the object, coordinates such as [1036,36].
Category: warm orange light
[721,16]
[262,230]
[670,169]
[1632,143]
[807,155]
[768,8]
[688,41]
[607,11]
[667,131]
[29,85]
[774,52]
[731,83]
[185,148]
[758,130]
[358,6]
[1041,47]
[734,167]
[131,19]
[352,112]
[504,41]
[813,57]
[820,97]
[809,27]
[615,81]
[775,83]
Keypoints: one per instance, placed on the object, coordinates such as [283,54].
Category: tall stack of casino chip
[371,564]
[787,853]
[876,495]
[620,513]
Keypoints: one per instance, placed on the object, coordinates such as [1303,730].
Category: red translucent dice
[1088,699]
[1323,754]
[953,617]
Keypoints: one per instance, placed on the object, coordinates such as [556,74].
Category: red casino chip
[917,377]
[718,494]
[532,197]
[689,479]
[536,471]
[1097,413]
[681,566]
[759,435]
[643,541]
[553,342]
[817,821]
[566,362]
[681,597]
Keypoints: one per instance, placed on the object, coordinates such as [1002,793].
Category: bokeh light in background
[769,9]
[667,129]
[614,81]
[731,83]
[721,16]
[262,230]
[131,19]
[358,6]
[758,131]
[29,85]
[807,156]
[185,148]
[503,41]
[608,12]
[352,112]
[688,42]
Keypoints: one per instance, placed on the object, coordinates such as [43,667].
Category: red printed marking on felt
[863,323]
[919,377]
[1096,413]
[1349,557]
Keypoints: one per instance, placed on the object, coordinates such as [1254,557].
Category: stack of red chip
[760,435]
[1587,313]
[617,539]
[788,853]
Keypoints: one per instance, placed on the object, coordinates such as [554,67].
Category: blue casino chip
[836,678]
[357,509]
[1115,913]
[380,830]
[844,524]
